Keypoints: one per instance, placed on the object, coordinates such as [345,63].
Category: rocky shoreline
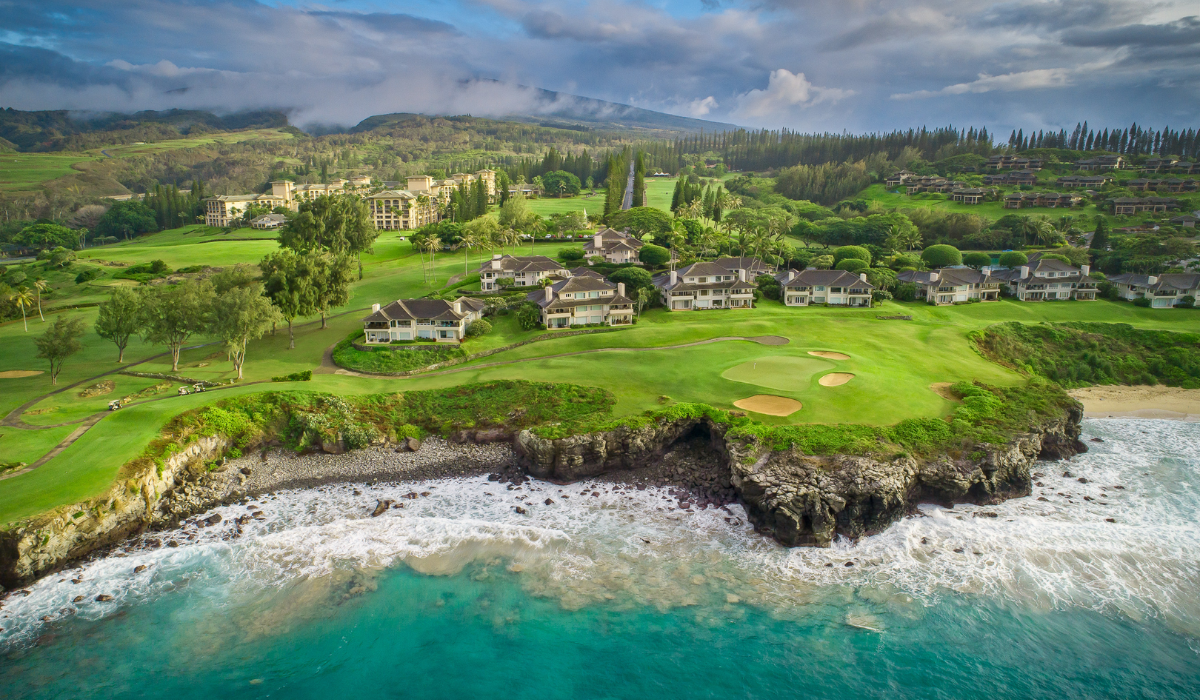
[797,499]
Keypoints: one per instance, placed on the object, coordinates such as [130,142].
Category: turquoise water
[618,596]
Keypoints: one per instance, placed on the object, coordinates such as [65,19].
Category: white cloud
[699,108]
[1036,79]
[786,91]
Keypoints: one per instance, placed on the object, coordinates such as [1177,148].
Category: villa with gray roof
[953,285]
[614,246]
[524,271]
[583,300]
[421,319]
[752,265]
[1048,279]
[1163,291]
[833,287]
[705,285]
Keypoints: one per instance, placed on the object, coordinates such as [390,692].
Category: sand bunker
[1163,402]
[942,389]
[829,355]
[770,405]
[835,379]
[20,373]
[778,372]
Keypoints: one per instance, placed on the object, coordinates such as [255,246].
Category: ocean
[1089,588]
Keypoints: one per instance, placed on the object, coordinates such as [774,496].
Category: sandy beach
[1164,402]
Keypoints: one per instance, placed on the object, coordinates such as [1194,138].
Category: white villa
[421,319]
[833,287]
[614,246]
[953,285]
[705,285]
[524,271]
[583,300]
[1164,291]
[1048,279]
[395,210]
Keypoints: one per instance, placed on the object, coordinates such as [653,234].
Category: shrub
[1143,302]
[855,252]
[851,265]
[941,256]
[1188,302]
[88,275]
[906,291]
[1013,258]
[977,259]
[304,376]
[652,255]
[571,255]
[478,328]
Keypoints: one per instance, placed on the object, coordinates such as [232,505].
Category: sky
[808,65]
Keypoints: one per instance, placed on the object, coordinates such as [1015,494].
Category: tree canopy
[641,221]
[47,236]
[120,318]
[560,182]
[126,219]
[941,256]
[653,255]
[60,341]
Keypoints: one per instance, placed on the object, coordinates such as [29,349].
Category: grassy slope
[894,361]
[30,171]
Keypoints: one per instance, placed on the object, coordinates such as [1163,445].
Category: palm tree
[467,243]
[431,245]
[40,285]
[24,299]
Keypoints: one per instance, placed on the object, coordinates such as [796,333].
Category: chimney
[987,273]
[458,306]
[791,275]
[495,262]
[549,293]
[862,276]
[1024,272]
[1086,270]
[598,242]
[374,308]
[674,277]
[1152,280]
[935,276]
[620,289]
[742,274]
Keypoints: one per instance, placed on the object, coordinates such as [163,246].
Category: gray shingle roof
[527,263]
[430,309]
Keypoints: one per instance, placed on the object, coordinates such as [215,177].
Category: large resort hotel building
[392,209]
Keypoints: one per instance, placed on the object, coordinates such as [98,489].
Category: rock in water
[103,598]
[213,519]
[381,507]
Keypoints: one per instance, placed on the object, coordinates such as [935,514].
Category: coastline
[1157,402]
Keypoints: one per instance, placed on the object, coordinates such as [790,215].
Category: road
[627,202]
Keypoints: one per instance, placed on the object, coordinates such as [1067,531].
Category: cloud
[700,108]
[786,91]
[329,62]
[1040,78]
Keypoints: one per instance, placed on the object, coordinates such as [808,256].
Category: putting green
[779,372]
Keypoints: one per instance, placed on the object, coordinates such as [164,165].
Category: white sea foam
[627,547]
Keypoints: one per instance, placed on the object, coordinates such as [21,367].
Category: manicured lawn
[580,203]
[27,171]
[659,191]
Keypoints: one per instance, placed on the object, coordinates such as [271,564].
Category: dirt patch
[99,389]
[41,411]
[942,389]
[835,379]
[20,373]
[829,355]
[770,340]
[769,405]
[1139,402]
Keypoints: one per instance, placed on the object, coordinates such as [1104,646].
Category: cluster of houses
[419,203]
[1134,205]
[583,297]
[1173,184]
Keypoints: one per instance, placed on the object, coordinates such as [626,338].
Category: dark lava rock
[213,519]
[1097,440]
[412,443]
[549,502]
[172,543]
[1110,520]
[381,507]
[1082,480]
[103,598]
[987,514]
[77,599]
[139,569]
[520,510]
[849,563]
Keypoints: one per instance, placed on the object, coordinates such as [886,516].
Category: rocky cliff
[154,495]
[802,499]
